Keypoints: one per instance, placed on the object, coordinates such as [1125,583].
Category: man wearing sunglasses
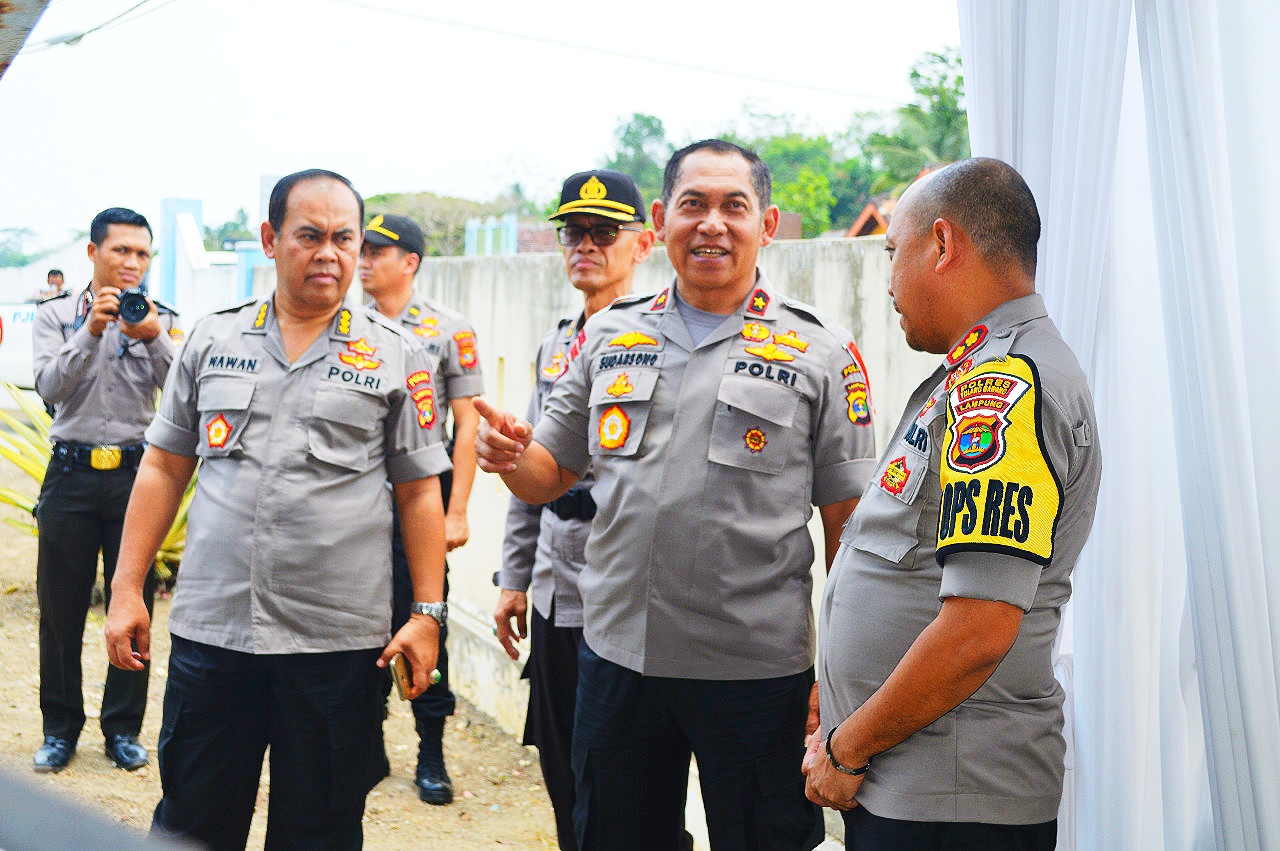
[714,416]
[603,237]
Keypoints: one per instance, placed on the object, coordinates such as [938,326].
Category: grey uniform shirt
[451,340]
[289,535]
[104,388]
[542,552]
[986,491]
[708,461]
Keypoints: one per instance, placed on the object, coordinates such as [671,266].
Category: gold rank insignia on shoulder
[632,339]
[971,341]
[759,303]
[261,318]
[344,322]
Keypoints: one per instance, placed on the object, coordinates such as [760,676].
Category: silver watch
[439,611]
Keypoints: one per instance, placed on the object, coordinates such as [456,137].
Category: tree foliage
[642,153]
[13,247]
[216,239]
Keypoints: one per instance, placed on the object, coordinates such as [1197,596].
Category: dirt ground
[499,803]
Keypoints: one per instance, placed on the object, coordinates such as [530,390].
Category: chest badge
[557,366]
[428,327]
[632,339]
[792,341]
[755,332]
[218,431]
[360,355]
[615,425]
[895,476]
[621,386]
[755,440]
[770,352]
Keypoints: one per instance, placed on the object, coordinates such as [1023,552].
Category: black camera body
[134,306]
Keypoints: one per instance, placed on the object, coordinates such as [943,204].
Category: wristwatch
[439,611]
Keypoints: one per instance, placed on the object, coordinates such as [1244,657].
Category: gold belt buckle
[104,457]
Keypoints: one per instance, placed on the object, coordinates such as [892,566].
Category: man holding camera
[101,372]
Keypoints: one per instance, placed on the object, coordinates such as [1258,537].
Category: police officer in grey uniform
[714,414]
[941,726]
[101,373]
[603,237]
[299,411]
[389,258]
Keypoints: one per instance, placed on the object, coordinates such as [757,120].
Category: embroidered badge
[971,341]
[859,409]
[660,302]
[631,339]
[360,355]
[428,328]
[981,406]
[957,375]
[895,475]
[755,440]
[423,395]
[615,425]
[176,335]
[933,400]
[557,366]
[791,340]
[621,386]
[755,332]
[218,431]
[759,303]
[261,318]
[344,322]
[466,349]
[413,311]
[770,352]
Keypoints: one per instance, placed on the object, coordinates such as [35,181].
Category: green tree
[13,247]
[232,231]
[809,194]
[642,153]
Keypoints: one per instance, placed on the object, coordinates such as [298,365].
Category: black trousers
[632,739]
[552,670]
[318,712]
[81,511]
[864,831]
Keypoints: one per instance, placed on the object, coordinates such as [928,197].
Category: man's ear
[268,240]
[644,245]
[947,245]
[659,219]
[772,217]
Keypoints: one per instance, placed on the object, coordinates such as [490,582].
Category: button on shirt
[986,491]
[289,535]
[708,460]
[103,387]
[542,552]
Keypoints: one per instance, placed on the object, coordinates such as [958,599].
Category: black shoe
[125,752]
[54,755]
[434,785]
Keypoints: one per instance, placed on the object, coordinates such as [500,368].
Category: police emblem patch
[755,440]
[896,475]
[615,425]
[466,349]
[859,408]
[423,395]
[218,431]
[981,406]
[621,386]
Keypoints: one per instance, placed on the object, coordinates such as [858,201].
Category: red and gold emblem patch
[557,366]
[218,431]
[755,440]
[360,355]
[957,375]
[759,303]
[928,406]
[770,352]
[659,302]
[632,339]
[971,341]
[423,394]
[428,328]
[615,425]
[981,407]
[859,405]
[466,349]
[755,332]
[895,476]
[621,386]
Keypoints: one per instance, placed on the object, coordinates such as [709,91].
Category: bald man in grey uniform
[714,415]
[299,410]
[941,720]
[101,375]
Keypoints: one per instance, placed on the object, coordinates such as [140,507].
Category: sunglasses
[601,235]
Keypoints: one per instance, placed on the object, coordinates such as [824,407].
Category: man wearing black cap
[389,258]
[601,218]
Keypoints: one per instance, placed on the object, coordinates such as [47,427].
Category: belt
[100,456]
[575,504]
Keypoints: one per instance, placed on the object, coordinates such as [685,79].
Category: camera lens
[133,306]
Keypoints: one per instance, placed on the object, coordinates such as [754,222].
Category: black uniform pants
[81,511]
[553,691]
[319,714]
[632,739]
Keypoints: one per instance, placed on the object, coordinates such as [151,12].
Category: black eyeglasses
[601,235]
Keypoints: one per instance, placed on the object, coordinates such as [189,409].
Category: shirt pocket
[345,428]
[620,402]
[752,427]
[223,406]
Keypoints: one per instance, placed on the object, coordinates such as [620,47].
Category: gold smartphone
[401,674]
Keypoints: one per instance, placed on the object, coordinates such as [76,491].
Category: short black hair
[280,193]
[992,203]
[57,272]
[115,216]
[761,180]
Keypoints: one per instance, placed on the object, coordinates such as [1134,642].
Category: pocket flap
[768,401]
[347,407]
[623,385]
[222,393]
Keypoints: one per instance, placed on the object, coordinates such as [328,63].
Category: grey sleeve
[174,428]
[524,521]
[415,446]
[59,363]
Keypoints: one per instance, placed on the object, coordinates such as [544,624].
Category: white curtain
[1156,275]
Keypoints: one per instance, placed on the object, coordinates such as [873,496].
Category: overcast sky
[199,98]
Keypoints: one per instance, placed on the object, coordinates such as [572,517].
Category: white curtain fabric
[1141,130]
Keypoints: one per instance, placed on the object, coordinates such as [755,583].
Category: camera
[134,306]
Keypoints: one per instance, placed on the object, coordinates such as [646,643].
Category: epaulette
[235,308]
[808,311]
[393,325]
[630,300]
[161,307]
[63,294]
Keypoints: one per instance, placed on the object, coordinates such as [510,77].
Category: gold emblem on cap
[593,190]
[375,225]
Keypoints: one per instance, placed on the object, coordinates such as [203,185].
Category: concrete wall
[513,300]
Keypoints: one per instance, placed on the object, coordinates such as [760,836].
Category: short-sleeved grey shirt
[708,461]
[289,535]
[104,387]
[987,491]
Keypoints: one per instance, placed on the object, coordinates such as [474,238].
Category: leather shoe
[434,785]
[53,755]
[125,752]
